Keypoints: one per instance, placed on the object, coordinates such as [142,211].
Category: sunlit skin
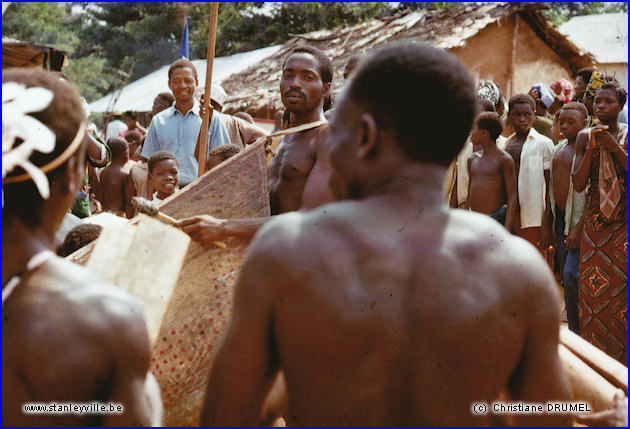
[182,84]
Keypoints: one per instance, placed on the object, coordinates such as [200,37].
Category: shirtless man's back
[404,329]
[57,352]
[114,183]
[67,338]
[390,309]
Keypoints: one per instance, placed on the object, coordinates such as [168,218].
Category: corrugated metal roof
[605,36]
[138,95]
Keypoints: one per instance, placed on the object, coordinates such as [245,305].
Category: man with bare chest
[532,153]
[67,337]
[298,173]
[492,184]
[568,208]
[386,307]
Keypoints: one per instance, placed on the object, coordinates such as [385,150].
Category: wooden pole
[202,140]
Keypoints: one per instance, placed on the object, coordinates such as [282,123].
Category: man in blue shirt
[176,128]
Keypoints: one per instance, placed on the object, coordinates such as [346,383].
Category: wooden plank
[145,260]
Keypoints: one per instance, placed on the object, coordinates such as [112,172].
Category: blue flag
[184,49]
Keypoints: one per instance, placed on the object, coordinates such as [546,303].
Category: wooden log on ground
[607,366]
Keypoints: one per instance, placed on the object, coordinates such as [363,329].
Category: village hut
[512,44]
[16,53]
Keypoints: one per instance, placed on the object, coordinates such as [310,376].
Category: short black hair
[133,136]
[225,151]
[521,99]
[167,96]
[574,105]
[486,105]
[161,155]
[64,116]
[78,237]
[325,64]
[351,64]
[131,114]
[180,64]
[618,90]
[586,73]
[118,146]
[491,122]
[404,84]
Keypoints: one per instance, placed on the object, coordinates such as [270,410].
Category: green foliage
[104,38]
[41,23]
[560,12]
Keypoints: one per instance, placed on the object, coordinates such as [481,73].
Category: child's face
[570,123]
[521,117]
[165,176]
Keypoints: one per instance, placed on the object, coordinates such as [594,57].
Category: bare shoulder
[509,260]
[506,158]
[67,294]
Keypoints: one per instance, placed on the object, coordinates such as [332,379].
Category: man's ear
[368,135]
[325,90]
[169,84]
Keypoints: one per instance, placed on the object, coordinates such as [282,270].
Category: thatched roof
[256,89]
[16,53]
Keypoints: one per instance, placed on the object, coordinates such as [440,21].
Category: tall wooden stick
[202,140]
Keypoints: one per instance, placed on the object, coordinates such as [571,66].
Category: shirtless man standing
[66,336]
[298,173]
[115,190]
[492,184]
[389,308]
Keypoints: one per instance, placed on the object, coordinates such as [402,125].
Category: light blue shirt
[171,131]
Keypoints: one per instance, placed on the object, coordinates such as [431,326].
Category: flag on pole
[184,48]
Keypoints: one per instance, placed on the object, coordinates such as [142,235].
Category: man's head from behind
[119,148]
[487,128]
[64,166]
[306,79]
[420,97]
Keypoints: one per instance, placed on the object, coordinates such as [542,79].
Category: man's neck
[184,105]
[488,146]
[416,186]
[20,243]
[308,117]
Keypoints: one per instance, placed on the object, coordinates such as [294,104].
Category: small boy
[78,237]
[163,174]
[114,191]
[567,206]
[492,184]
[221,153]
